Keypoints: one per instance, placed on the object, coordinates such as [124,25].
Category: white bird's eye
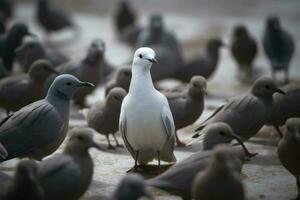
[141,56]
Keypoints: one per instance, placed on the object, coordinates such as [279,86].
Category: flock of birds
[37,103]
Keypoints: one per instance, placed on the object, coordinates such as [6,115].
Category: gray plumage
[289,150]
[68,175]
[104,115]
[179,178]
[3,152]
[219,181]
[146,122]
[186,108]
[17,91]
[204,66]
[243,50]
[121,80]
[124,16]
[246,113]
[131,187]
[285,106]
[279,46]
[24,185]
[38,129]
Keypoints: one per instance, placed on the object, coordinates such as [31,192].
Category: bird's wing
[20,131]
[14,88]
[168,121]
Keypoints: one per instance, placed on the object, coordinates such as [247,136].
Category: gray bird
[124,16]
[24,185]
[38,129]
[32,50]
[279,46]
[204,66]
[131,187]
[146,121]
[243,50]
[3,152]
[219,181]
[88,69]
[68,175]
[285,106]
[19,90]
[121,80]
[179,178]
[186,108]
[246,113]
[289,150]
[103,116]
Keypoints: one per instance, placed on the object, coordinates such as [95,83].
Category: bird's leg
[298,187]
[158,158]
[117,142]
[178,142]
[278,131]
[108,141]
[286,74]
[136,160]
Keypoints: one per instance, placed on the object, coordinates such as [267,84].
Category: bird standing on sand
[279,46]
[247,113]
[146,121]
[289,150]
[38,129]
[186,108]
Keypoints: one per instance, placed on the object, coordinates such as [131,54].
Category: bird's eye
[141,56]
[222,133]
[68,83]
[80,137]
[116,98]
[267,86]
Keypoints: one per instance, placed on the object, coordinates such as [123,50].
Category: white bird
[146,121]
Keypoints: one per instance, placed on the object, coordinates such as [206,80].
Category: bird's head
[273,23]
[41,70]
[156,23]
[96,51]
[265,87]
[18,31]
[292,128]
[116,96]
[124,75]
[144,57]
[213,45]
[240,31]
[198,86]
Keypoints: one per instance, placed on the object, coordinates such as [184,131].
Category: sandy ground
[264,177]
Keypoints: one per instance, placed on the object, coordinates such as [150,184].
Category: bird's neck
[59,101]
[141,80]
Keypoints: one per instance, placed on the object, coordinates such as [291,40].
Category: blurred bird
[279,46]
[32,50]
[38,129]
[124,16]
[247,113]
[2,23]
[204,66]
[219,181]
[179,178]
[243,50]
[69,174]
[146,121]
[9,43]
[52,18]
[187,107]
[131,187]
[121,80]
[3,152]
[19,90]
[24,185]
[6,7]
[285,106]
[289,150]
[103,116]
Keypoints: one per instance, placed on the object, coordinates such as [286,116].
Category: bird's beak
[239,140]
[279,91]
[87,84]
[153,60]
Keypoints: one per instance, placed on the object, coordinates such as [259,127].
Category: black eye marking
[81,138]
[141,56]
[222,133]
[267,86]
[68,83]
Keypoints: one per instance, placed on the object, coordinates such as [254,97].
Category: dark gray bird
[204,66]
[179,178]
[38,129]
[289,150]
[103,116]
[19,90]
[2,23]
[32,50]
[9,43]
[88,69]
[279,46]
[219,181]
[187,107]
[68,175]
[52,18]
[285,106]
[24,185]
[246,113]
[243,50]
[131,187]
[121,80]
[6,7]
[124,16]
